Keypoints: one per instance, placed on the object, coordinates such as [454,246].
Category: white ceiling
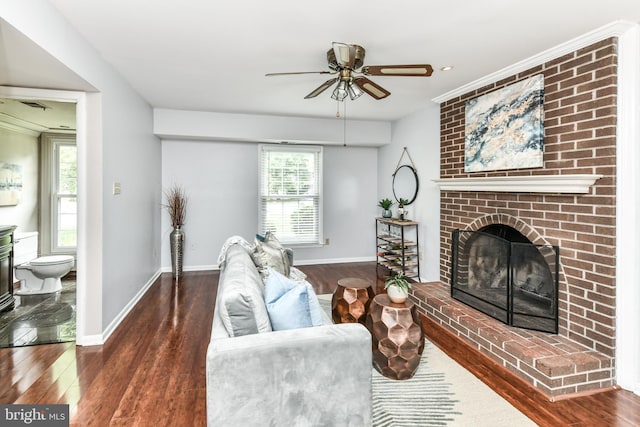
[212,56]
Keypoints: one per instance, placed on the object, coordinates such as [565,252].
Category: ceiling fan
[346,60]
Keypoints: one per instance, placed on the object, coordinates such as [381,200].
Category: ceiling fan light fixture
[354,91]
[340,92]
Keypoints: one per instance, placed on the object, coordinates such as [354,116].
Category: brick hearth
[553,364]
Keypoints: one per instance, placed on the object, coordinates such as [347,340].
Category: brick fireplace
[580,139]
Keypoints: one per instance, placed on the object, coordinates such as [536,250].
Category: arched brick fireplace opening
[500,272]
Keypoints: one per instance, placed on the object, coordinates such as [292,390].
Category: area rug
[441,393]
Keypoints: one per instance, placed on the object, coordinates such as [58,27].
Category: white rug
[441,393]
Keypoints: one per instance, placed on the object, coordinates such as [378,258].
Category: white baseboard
[167,269]
[88,340]
[331,260]
[123,313]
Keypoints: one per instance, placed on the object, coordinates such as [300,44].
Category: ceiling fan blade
[299,72]
[373,89]
[420,70]
[324,86]
[345,54]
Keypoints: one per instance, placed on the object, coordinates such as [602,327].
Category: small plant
[403,202]
[176,205]
[399,281]
[385,204]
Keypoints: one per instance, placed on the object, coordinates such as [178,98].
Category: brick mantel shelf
[573,184]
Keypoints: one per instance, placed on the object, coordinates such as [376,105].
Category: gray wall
[221,180]
[115,143]
[420,133]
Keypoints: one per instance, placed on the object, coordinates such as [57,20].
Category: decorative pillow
[269,253]
[297,275]
[317,314]
[241,300]
[290,304]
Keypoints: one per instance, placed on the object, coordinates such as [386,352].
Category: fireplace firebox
[499,272]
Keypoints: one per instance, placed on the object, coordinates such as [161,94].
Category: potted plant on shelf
[386,204]
[397,288]
[177,208]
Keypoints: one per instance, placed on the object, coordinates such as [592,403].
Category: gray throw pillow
[269,253]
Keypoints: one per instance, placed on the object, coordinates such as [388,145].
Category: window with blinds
[291,193]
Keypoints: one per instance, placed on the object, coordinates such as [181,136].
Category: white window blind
[291,193]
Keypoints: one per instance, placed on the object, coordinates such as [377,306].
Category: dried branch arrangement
[176,205]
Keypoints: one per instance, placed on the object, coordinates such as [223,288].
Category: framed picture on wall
[504,129]
[10,184]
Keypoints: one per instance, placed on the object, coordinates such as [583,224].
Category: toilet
[38,275]
[42,275]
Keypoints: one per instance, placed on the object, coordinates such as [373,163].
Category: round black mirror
[405,184]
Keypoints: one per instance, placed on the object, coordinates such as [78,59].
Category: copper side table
[397,337]
[351,300]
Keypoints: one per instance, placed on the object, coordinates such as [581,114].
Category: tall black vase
[176,239]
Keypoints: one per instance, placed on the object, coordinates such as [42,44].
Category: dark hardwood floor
[151,371]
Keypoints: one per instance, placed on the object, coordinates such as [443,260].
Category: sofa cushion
[291,304]
[269,253]
[241,306]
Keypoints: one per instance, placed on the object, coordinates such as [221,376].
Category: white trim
[572,184]
[613,29]
[110,329]
[85,272]
[627,211]
[88,340]
[49,143]
[4,124]
[168,269]
[264,199]
[212,267]
[331,260]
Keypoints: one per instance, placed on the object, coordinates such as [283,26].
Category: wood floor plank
[151,371]
[58,376]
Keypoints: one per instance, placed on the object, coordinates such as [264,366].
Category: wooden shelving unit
[397,246]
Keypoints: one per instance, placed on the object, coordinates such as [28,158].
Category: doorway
[39,141]
[89,231]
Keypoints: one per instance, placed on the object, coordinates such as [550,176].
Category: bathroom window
[65,203]
[59,192]
[290,196]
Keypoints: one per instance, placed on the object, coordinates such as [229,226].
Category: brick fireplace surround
[580,138]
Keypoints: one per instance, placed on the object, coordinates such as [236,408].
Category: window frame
[49,193]
[263,149]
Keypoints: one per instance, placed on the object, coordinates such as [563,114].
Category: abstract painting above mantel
[504,129]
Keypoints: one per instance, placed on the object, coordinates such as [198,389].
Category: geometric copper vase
[351,300]
[397,338]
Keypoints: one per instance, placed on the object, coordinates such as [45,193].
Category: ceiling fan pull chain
[344,125]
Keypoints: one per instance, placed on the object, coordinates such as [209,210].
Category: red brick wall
[580,138]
